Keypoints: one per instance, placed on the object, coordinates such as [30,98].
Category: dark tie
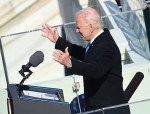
[87,47]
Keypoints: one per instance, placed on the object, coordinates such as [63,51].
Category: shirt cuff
[70,66]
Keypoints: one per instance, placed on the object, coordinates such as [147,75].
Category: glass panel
[98,111]
[3,101]
[134,4]
[132,26]
[127,21]
[117,109]
[20,47]
[124,20]
[123,5]
[139,107]
[72,36]
[2,74]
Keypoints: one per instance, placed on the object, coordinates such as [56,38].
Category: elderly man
[99,63]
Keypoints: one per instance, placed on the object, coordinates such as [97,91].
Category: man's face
[83,28]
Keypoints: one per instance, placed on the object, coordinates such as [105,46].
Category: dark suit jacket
[101,70]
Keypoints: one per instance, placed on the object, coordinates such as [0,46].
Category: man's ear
[92,27]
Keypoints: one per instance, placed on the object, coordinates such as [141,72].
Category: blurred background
[20,36]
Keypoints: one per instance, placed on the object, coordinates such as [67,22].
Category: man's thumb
[66,50]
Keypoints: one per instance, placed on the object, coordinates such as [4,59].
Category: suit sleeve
[96,67]
[74,50]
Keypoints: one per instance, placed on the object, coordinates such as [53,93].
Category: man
[99,63]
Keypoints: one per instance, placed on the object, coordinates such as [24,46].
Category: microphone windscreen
[36,58]
[135,82]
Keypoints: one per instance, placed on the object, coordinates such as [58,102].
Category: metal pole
[4,63]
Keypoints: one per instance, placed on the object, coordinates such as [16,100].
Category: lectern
[37,100]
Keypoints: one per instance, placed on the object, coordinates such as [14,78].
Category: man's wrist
[70,64]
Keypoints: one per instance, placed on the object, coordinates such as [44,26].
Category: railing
[138,107]
[16,48]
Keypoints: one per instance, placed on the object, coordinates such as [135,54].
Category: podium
[37,100]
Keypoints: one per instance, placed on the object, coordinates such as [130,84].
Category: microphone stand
[22,72]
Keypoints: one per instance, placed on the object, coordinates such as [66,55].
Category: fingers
[47,28]
[66,50]
[58,54]
[62,57]
[45,32]
[55,30]
[49,31]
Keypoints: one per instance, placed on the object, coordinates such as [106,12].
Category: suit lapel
[90,49]
[97,41]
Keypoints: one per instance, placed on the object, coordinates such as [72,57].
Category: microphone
[134,83]
[34,61]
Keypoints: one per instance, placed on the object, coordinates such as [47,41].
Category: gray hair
[91,16]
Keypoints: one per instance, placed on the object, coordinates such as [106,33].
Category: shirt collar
[100,32]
